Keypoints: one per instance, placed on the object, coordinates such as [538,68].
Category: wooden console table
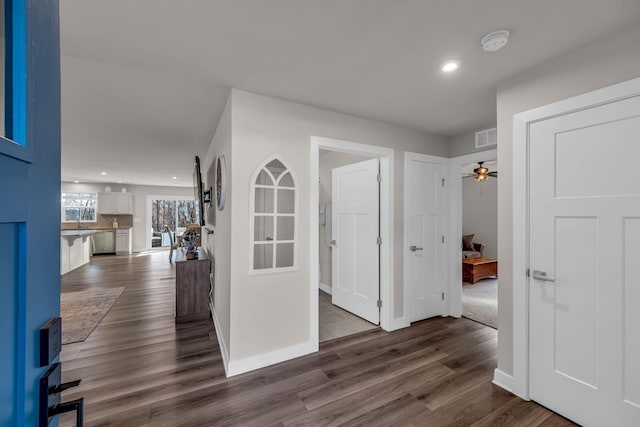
[474,269]
[192,286]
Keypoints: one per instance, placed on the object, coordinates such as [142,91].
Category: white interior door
[425,236]
[355,251]
[585,235]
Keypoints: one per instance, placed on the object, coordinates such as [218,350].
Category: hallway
[140,369]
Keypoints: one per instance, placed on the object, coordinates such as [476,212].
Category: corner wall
[609,60]
[218,245]
[270,312]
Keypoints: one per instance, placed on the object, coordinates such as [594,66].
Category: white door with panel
[584,288]
[425,255]
[355,250]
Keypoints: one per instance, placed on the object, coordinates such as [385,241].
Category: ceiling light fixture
[174,177]
[482,173]
[103,173]
[76,181]
[450,66]
[495,41]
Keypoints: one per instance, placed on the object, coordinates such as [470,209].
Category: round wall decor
[221,182]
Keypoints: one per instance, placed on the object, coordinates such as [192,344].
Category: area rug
[82,311]
[480,302]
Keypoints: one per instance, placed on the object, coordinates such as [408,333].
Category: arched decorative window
[273,219]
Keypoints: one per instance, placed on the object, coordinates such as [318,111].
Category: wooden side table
[474,269]
[192,287]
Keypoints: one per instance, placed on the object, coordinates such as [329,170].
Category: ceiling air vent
[486,138]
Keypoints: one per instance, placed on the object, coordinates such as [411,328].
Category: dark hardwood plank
[139,368]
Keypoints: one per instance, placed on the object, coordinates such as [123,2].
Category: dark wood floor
[140,369]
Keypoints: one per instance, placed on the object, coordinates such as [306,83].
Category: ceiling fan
[481,173]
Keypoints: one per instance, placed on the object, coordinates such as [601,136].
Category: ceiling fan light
[481,177]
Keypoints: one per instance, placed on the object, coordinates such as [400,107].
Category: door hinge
[443,182]
[443,296]
[379,303]
[379,178]
[442,239]
[379,240]
[528,273]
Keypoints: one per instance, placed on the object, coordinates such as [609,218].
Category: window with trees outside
[79,207]
[174,214]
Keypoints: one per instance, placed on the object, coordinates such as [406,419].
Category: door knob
[542,275]
[333,242]
[414,248]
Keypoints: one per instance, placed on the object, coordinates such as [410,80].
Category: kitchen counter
[75,249]
[76,233]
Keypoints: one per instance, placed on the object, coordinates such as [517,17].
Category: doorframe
[386,157]
[520,238]
[455,224]
[446,287]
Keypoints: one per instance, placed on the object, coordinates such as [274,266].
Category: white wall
[218,245]
[465,143]
[270,312]
[604,62]
[140,193]
[480,212]
[328,161]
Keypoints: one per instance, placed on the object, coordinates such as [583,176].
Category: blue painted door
[29,201]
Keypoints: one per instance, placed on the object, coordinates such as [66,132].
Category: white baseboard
[271,358]
[396,324]
[503,380]
[324,288]
[223,347]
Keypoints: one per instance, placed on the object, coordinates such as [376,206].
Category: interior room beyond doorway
[480,243]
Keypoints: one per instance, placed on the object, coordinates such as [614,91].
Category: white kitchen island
[75,249]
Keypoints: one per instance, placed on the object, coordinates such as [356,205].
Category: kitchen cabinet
[115,203]
[75,249]
[123,241]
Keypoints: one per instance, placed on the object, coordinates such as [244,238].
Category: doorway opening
[168,217]
[334,320]
[480,241]
[383,238]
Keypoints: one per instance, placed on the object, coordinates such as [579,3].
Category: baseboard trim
[241,366]
[396,324]
[503,380]
[224,352]
[324,288]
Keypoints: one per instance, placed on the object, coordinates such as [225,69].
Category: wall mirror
[274,217]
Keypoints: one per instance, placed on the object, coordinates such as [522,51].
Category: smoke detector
[495,41]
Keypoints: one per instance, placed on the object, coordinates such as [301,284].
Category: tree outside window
[79,207]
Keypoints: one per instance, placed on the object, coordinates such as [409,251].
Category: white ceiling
[144,82]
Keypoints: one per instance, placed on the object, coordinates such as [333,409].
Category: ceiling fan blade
[493,174]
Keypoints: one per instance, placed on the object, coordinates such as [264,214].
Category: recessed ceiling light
[120,182]
[174,177]
[495,41]
[450,66]
[103,173]
[76,181]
